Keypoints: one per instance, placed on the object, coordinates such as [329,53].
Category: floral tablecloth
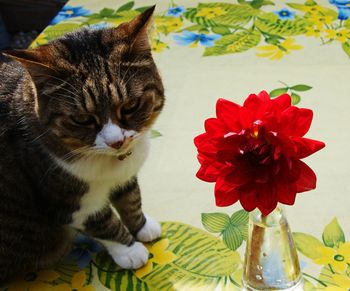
[206,50]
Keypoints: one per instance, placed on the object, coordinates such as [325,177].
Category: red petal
[247,197]
[199,139]
[246,117]
[253,102]
[264,96]
[283,101]
[226,106]
[307,178]
[238,177]
[267,200]
[305,147]
[285,191]
[209,172]
[225,194]
[304,121]
[296,121]
[213,126]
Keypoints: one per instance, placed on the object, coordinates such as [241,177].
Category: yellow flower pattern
[320,20]
[341,35]
[158,46]
[337,258]
[167,24]
[314,9]
[77,284]
[277,52]
[159,256]
[210,12]
[313,31]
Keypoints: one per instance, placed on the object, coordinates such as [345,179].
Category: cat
[75,117]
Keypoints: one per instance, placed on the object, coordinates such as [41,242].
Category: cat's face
[99,91]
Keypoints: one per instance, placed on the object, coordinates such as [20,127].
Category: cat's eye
[83,119]
[131,106]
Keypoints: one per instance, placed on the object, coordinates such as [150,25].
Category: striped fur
[54,102]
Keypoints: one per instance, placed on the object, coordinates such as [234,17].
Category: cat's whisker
[64,158]
[40,136]
[60,79]
[63,100]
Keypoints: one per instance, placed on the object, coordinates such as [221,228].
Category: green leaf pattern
[242,26]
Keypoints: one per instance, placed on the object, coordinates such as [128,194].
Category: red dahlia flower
[253,152]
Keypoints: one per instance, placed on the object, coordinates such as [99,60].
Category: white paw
[150,231]
[129,257]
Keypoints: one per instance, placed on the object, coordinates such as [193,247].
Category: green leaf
[270,23]
[54,31]
[232,237]
[234,43]
[347,23]
[277,92]
[235,14]
[267,2]
[257,4]
[346,48]
[244,231]
[201,260]
[333,234]
[325,11]
[215,222]
[106,12]
[191,15]
[128,14]
[126,6]
[295,98]
[296,6]
[196,27]
[155,133]
[310,3]
[308,245]
[301,87]
[240,217]
[221,30]
[142,9]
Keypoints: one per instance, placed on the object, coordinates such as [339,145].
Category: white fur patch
[112,133]
[103,173]
[127,257]
[150,231]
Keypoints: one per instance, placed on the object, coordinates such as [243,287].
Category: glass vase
[271,259]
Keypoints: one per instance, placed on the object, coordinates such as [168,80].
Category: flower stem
[317,280]
[284,84]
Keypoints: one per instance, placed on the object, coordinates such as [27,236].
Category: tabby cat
[75,117]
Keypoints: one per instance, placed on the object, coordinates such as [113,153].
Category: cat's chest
[103,174]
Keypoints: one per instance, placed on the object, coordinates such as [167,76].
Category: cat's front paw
[129,257]
[150,231]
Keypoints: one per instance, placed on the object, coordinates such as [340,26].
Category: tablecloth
[206,50]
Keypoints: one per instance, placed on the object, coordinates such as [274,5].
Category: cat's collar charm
[124,156]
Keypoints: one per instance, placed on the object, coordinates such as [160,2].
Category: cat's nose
[116,145]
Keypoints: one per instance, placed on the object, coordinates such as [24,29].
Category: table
[234,48]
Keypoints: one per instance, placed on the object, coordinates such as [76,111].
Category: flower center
[339,258]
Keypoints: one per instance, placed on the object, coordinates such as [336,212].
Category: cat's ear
[36,62]
[137,30]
